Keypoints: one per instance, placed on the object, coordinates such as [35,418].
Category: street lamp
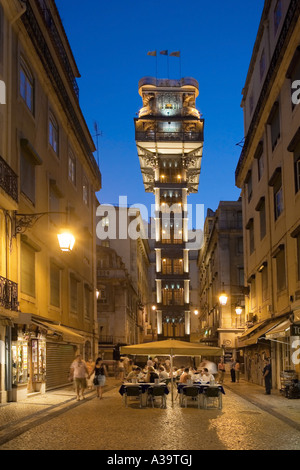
[223,298]
[22,222]
[238,310]
[196,312]
[66,240]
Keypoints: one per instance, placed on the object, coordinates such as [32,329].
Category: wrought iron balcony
[152,136]
[8,294]
[55,36]
[8,180]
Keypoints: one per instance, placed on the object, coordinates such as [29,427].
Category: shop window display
[20,362]
[38,360]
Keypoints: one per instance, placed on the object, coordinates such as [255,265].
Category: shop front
[28,361]
[255,347]
[285,340]
[41,356]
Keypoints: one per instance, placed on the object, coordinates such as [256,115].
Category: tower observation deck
[169,134]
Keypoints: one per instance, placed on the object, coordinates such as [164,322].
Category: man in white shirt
[162,374]
[206,376]
[79,372]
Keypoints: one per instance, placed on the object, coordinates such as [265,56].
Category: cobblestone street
[249,420]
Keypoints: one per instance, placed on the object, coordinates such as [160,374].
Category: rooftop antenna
[97,135]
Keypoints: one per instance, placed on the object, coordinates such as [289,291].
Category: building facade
[221,269]
[268,175]
[123,278]
[169,139]
[48,182]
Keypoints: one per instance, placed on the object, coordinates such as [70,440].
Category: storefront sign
[295,330]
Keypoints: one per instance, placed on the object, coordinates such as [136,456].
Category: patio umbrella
[171,347]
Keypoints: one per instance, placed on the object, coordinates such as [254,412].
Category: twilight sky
[110,41]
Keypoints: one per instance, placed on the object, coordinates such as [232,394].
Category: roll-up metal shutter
[59,358]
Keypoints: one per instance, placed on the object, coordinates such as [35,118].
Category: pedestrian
[232,371]
[221,371]
[79,372]
[90,365]
[100,376]
[121,369]
[237,371]
[267,375]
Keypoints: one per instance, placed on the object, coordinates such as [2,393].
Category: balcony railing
[8,294]
[8,180]
[152,136]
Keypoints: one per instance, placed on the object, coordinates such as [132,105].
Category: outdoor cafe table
[144,386]
[202,388]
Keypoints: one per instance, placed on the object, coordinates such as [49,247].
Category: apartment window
[296,236]
[240,276]
[279,256]
[27,85]
[276,183]
[27,269]
[274,123]
[54,285]
[259,156]
[85,190]
[166,266]
[261,208]
[264,281]
[54,203]
[177,266]
[73,294]
[87,302]
[249,185]
[250,228]
[277,15]
[53,133]
[262,64]
[72,168]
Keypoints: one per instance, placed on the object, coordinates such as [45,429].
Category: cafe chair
[158,391]
[190,392]
[214,395]
[133,391]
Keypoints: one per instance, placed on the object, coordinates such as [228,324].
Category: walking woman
[100,376]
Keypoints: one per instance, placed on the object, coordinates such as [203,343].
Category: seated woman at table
[151,375]
[206,376]
[185,376]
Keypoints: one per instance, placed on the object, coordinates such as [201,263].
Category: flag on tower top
[164,52]
[175,54]
[153,53]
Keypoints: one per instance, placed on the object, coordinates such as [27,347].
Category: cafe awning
[250,339]
[280,330]
[69,336]
[171,347]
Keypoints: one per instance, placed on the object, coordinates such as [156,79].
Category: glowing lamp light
[66,241]
[196,312]
[223,298]
[238,310]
